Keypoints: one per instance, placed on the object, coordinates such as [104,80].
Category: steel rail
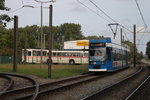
[43,92]
[107,87]
[45,85]
[25,77]
[31,88]
[129,97]
[10,85]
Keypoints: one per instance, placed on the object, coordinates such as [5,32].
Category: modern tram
[105,56]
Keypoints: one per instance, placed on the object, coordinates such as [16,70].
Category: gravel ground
[83,90]
[20,83]
[144,93]
[77,92]
[3,84]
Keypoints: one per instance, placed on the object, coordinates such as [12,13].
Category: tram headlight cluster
[93,63]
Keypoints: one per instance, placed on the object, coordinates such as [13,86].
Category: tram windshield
[97,54]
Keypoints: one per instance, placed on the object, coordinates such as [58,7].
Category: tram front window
[97,54]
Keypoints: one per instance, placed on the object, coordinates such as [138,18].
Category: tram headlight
[92,63]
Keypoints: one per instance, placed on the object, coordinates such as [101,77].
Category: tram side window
[54,54]
[38,53]
[63,54]
[117,55]
[66,54]
[114,55]
[58,54]
[44,53]
[78,54]
[86,55]
[74,54]
[29,53]
[69,54]
[34,53]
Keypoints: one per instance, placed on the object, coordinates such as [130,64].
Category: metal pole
[121,44]
[25,48]
[134,48]
[50,40]
[41,34]
[121,35]
[15,43]
[44,41]
[38,43]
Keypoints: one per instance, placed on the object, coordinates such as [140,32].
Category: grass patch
[58,71]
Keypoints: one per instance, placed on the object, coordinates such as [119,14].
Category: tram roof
[103,40]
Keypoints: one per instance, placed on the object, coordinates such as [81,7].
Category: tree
[148,50]
[140,55]
[130,45]
[70,31]
[4,18]
[5,42]
[94,37]
[65,32]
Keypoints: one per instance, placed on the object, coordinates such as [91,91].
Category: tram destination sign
[98,44]
[82,43]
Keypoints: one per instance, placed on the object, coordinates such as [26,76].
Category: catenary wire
[142,17]
[101,16]
[93,11]
[108,16]
[14,10]
[102,11]
[141,13]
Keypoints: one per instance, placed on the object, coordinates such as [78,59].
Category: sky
[124,12]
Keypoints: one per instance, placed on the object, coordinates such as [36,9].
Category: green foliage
[148,50]
[30,35]
[94,37]
[70,31]
[61,33]
[139,56]
[2,5]
[5,42]
[130,44]
[57,72]
[4,18]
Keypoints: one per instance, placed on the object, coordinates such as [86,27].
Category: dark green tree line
[139,55]
[64,32]
[4,18]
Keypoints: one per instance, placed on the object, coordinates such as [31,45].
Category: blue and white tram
[105,56]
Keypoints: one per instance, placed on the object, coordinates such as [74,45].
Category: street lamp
[42,23]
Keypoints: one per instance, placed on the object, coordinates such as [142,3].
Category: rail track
[9,85]
[27,93]
[44,89]
[121,89]
[12,79]
[141,91]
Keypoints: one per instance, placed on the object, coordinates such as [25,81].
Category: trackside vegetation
[58,71]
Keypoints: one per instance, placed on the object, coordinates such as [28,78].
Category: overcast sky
[124,12]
